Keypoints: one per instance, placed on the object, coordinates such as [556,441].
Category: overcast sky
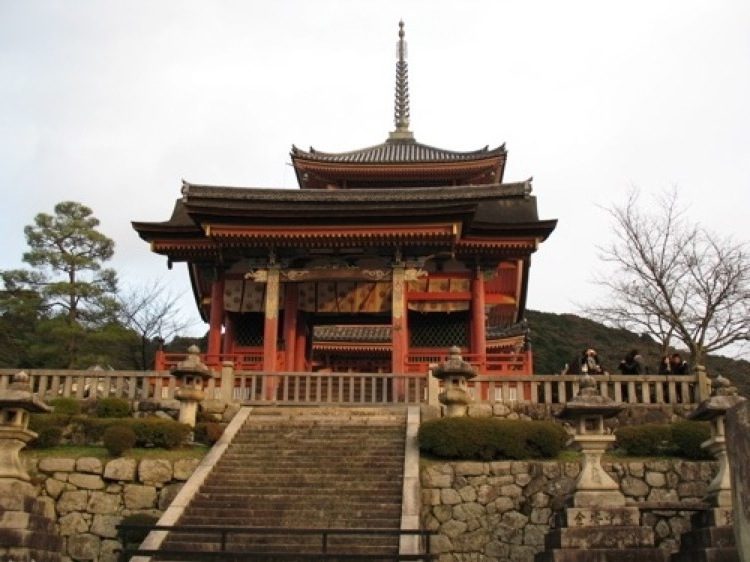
[111,103]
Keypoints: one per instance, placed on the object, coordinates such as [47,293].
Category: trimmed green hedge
[66,406]
[688,436]
[681,439]
[112,408]
[491,439]
[118,439]
[149,432]
[49,428]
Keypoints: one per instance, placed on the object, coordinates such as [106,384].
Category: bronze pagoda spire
[401,106]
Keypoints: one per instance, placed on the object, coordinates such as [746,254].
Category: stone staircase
[303,468]
[710,540]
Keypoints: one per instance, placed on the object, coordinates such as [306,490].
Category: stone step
[376,471]
[284,543]
[267,438]
[306,468]
[269,493]
[307,479]
[373,419]
[252,509]
[307,454]
[707,537]
[712,554]
[291,520]
[603,555]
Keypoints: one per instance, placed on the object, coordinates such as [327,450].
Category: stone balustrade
[361,388]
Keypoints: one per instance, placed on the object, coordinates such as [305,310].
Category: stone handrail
[359,388]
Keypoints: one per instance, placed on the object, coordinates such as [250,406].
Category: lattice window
[437,329]
[248,329]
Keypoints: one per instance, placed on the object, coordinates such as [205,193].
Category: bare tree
[153,312]
[674,280]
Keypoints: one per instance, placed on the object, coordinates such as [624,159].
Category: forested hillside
[558,339]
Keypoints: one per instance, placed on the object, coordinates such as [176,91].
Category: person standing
[590,363]
[632,364]
[677,365]
[665,365]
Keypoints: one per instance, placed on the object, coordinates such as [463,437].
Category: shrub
[37,422]
[490,438]
[155,432]
[47,437]
[66,406]
[208,433]
[132,538]
[118,439]
[93,428]
[112,408]
[688,436]
[646,440]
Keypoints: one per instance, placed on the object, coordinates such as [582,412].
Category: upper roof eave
[195,194]
[397,151]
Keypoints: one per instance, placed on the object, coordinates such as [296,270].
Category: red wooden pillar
[271,331]
[478,324]
[399,328]
[300,348]
[290,326]
[216,318]
[227,347]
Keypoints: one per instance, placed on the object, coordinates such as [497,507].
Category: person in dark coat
[678,366]
[665,366]
[632,364]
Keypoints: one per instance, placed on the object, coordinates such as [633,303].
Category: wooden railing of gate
[362,388]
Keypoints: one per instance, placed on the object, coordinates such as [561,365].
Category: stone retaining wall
[501,511]
[496,511]
[91,497]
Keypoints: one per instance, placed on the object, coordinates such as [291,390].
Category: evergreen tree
[67,252]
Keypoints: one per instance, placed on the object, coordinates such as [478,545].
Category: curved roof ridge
[398,151]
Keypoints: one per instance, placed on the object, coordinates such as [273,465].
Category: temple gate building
[383,259]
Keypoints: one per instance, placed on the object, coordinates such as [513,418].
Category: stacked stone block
[90,498]
[502,511]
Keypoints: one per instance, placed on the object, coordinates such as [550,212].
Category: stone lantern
[455,372]
[191,375]
[723,397]
[597,524]
[16,403]
[587,412]
[27,525]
